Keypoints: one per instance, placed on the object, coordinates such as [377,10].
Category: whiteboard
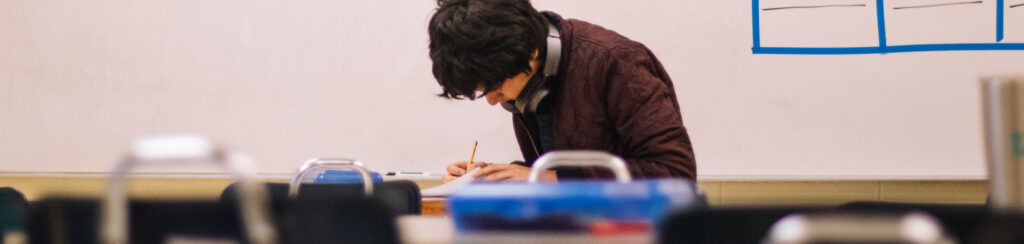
[285,81]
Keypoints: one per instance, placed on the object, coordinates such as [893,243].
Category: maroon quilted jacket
[613,95]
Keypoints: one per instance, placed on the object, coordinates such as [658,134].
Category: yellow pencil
[471,154]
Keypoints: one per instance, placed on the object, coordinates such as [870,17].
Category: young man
[570,85]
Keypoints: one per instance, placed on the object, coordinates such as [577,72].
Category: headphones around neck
[533,94]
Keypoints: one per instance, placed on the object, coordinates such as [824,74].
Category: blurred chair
[334,218]
[960,223]
[723,225]
[857,227]
[117,219]
[14,210]
[967,223]
[318,212]
[402,197]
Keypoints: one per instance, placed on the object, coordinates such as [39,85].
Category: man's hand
[511,172]
[457,169]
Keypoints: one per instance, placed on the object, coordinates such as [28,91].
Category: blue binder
[594,206]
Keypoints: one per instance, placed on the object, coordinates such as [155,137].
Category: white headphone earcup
[529,101]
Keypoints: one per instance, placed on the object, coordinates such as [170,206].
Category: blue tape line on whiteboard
[889,49]
[999,20]
[817,50]
[880,8]
[757,23]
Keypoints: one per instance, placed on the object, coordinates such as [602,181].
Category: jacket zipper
[522,122]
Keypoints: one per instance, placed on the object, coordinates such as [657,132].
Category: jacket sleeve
[642,106]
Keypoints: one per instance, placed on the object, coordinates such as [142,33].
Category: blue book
[587,206]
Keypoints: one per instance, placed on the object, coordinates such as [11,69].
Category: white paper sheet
[447,188]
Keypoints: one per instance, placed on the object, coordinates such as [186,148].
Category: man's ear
[534,62]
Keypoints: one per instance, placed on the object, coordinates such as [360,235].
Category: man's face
[511,87]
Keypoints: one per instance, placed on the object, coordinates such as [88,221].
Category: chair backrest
[401,197]
[327,218]
[314,218]
[117,219]
[318,165]
[64,220]
[964,223]
[14,211]
[248,218]
[321,213]
[68,220]
[184,149]
[580,158]
[968,223]
[857,227]
[722,225]
[331,212]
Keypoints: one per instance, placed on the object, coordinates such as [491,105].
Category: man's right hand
[457,169]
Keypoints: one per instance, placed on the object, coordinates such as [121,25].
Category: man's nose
[493,98]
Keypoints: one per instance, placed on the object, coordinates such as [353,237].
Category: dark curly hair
[480,43]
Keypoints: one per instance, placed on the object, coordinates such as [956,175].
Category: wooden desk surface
[434,206]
